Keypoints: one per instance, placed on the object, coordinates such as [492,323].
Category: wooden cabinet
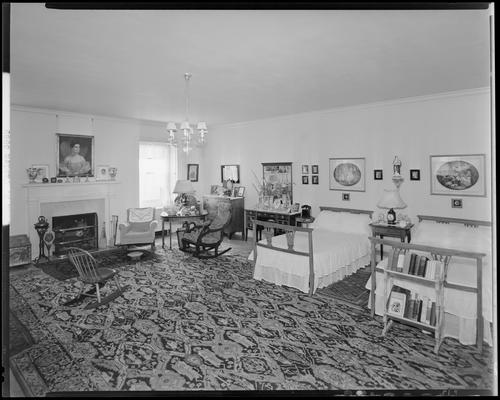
[210,204]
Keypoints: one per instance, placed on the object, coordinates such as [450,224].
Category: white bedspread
[332,251]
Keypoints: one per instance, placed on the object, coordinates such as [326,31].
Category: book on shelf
[411,306]
[432,319]
[397,302]
[430,270]
[406,263]
[421,266]
[413,261]
[400,262]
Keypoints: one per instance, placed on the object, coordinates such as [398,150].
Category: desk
[278,216]
[382,230]
[165,217]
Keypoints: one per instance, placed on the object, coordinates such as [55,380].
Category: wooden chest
[19,250]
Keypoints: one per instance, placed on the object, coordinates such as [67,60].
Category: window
[157,174]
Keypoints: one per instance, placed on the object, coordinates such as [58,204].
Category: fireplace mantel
[54,199]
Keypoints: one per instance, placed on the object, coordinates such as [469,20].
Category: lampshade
[171,126]
[183,186]
[391,199]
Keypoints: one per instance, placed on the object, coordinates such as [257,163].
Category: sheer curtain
[157,174]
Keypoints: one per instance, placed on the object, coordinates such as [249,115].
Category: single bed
[334,246]
[468,244]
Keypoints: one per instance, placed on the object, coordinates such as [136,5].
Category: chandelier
[186,136]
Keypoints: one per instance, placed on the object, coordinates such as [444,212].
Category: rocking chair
[203,240]
[90,274]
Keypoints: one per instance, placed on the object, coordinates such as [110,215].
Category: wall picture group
[314,178]
[462,175]
[347,174]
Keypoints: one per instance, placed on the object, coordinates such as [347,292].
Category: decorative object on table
[112,172]
[76,179]
[45,180]
[456,203]
[66,180]
[315,169]
[315,179]
[75,155]
[346,196]
[192,172]
[305,169]
[381,217]
[277,180]
[414,174]
[391,200]
[103,242]
[41,227]
[230,172]
[102,172]
[19,250]
[306,211]
[462,175]
[347,174]
[378,174]
[42,172]
[48,239]
[186,137]
[53,180]
[32,173]
[241,191]
[397,179]
[228,185]
[213,189]
[295,207]
[305,179]
[183,188]
[59,180]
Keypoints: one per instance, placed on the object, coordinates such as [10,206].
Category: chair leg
[98,293]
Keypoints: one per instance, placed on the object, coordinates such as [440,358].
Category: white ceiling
[246,65]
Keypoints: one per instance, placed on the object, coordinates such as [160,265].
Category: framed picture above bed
[458,175]
[347,174]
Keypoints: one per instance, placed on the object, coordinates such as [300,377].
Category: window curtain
[157,174]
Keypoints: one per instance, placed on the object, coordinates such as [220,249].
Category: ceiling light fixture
[186,137]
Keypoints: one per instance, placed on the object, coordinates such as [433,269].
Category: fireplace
[76,230]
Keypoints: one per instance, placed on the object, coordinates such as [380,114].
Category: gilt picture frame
[347,174]
[458,175]
[72,162]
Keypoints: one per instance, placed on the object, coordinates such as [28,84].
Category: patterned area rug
[351,289]
[187,324]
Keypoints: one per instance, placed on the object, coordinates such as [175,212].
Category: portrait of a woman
[75,155]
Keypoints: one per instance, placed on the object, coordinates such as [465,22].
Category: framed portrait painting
[193,172]
[75,155]
[458,175]
[347,174]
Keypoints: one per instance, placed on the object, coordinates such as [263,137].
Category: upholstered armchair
[202,240]
[139,228]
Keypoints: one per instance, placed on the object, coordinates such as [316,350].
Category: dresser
[279,216]
[210,204]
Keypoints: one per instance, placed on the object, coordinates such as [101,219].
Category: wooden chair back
[84,262]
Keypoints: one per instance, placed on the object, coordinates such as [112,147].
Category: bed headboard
[349,210]
[446,220]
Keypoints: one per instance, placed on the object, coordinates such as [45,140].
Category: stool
[135,255]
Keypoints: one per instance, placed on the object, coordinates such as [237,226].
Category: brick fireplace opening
[75,230]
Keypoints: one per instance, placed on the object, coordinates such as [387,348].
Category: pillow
[342,222]
[354,223]
[326,220]
[454,236]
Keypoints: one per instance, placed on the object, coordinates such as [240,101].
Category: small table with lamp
[390,200]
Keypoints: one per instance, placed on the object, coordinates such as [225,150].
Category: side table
[379,229]
[168,218]
[299,221]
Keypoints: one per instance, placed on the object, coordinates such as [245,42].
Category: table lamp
[183,188]
[391,200]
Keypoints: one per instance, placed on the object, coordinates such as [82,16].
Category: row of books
[415,264]
[409,304]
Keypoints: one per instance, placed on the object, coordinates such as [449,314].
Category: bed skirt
[301,282]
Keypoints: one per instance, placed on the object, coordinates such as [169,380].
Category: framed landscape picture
[347,174]
[458,175]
